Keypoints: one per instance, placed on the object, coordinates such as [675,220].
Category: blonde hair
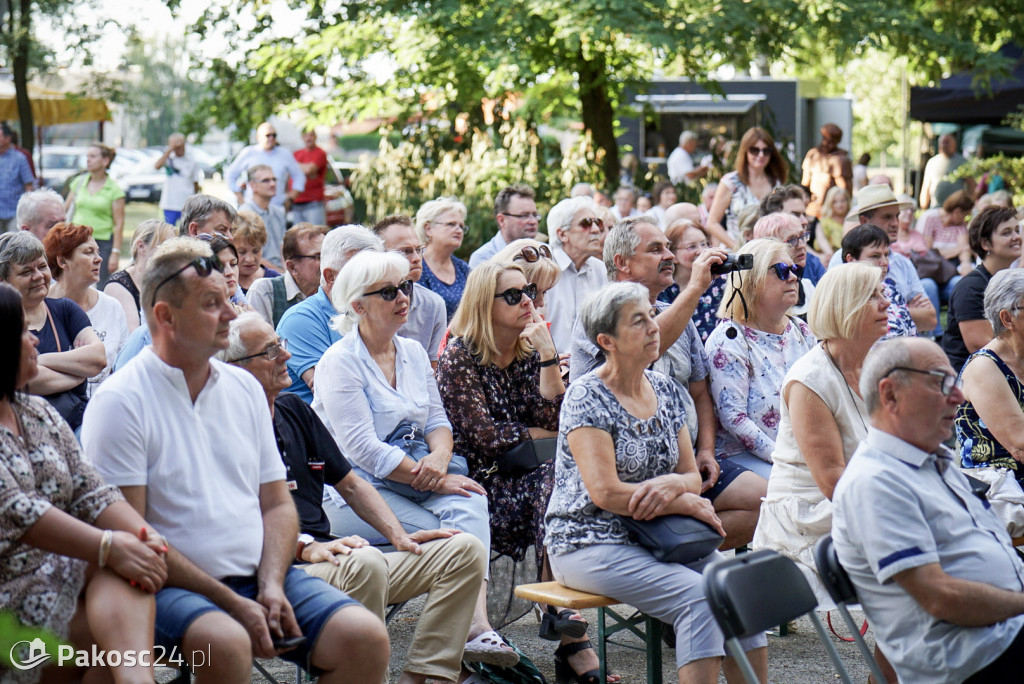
[830,198]
[248,227]
[839,297]
[151,233]
[544,272]
[472,321]
[429,212]
[360,272]
[766,251]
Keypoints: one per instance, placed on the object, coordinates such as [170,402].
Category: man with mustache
[637,250]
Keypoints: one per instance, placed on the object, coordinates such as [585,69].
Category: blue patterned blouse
[451,294]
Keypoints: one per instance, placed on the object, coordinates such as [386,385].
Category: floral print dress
[705,316]
[900,322]
[40,469]
[491,410]
[747,371]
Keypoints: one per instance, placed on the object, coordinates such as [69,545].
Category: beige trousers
[449,571]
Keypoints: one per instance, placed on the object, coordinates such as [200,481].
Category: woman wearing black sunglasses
[760,168]
[372,389]
[500,383]
[754,345]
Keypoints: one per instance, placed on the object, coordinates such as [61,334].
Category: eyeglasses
[525,216]
[204,266]
[451,224]
[798,240]
[514,295]
[272,352]
[532,254]
[407,252]
[949,380]
[270,135]
[389,293]
[784,270]
[315,257]
[695,247]
[588,222]
[760,151]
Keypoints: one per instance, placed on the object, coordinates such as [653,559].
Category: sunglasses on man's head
[514,295]
[204,265]
[533,254]
[390,293]
[783,270]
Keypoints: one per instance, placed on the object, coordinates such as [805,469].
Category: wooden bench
[647,628]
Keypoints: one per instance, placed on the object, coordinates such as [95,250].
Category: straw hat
[872,197]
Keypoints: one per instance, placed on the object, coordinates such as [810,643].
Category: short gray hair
[623,239]
[200,208]
[880,361]
[18,247]
[31,203]
[561,215]
[236,348]
[686,136]
[600,313]
[429,212]
[344,242]
[1003,292]
[168,258]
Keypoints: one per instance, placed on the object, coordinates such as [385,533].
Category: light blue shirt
[487,250]
[360,407]
[280,159]
[896,508]
[307,327]
[137,340]
[901,270]
[428,320]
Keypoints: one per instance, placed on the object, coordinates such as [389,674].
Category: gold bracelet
[105,543]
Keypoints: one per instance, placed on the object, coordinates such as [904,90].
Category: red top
[314,191]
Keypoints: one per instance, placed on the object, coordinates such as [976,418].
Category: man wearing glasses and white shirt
[516,213]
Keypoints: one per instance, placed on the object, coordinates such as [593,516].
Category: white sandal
[491,649]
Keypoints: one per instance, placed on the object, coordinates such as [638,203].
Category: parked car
[58,164]
[141,182]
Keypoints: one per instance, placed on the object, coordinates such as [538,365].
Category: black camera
[732,263]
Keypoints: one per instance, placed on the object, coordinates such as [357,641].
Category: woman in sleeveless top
[760,168]
[990,424]
[124,285]
[823,416]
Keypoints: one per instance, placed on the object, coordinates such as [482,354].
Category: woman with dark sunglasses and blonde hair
[375,391]
[749,353]
[760,169]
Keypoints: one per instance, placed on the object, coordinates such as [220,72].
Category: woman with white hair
[375,390]
[823,417]
[577,240]
[441,225]
[124,285]
[788,229]
[624,450]
[990,424]
[756,342]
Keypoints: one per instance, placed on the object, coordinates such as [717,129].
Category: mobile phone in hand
[288,643]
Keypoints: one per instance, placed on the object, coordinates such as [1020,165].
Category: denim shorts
[313,602]
[727,472]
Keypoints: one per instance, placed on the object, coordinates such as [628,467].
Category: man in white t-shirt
[195,454]
[681,168]
[182,177]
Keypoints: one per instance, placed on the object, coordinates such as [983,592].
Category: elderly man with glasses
[516,214]
[277,157]
[933,567]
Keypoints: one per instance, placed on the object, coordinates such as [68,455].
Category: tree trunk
[19,69]
[598,114]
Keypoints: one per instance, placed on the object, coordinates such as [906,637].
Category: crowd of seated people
[384,391]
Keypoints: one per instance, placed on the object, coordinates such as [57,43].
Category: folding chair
[753,592]
[842,591]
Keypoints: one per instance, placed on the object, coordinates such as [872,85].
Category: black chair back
[833,576]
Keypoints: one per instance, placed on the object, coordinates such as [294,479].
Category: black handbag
[409,438]
[528,456]
[674,538]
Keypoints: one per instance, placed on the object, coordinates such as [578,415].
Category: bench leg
[652,630]
[602,645]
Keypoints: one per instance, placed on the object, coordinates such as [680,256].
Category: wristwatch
[304,541]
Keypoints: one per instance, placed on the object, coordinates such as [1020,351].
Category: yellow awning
[51,107]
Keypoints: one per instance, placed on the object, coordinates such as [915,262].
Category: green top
[96,210]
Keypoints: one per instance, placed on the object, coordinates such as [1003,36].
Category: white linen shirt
[563,301]
[360,407]
[202,464]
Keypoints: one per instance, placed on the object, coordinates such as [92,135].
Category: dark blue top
[451,294]
[978,447]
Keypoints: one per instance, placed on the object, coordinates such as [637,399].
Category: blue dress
[978,448]
[451,294]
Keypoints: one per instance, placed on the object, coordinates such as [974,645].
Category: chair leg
[735,651]
[602,645]
[826,640]
[862,645]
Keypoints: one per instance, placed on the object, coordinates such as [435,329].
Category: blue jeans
[939,295]
[310,212]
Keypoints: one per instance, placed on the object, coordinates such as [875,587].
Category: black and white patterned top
[643,449]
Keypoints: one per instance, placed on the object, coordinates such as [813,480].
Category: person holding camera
[823,418]
[756,342]
[636,250]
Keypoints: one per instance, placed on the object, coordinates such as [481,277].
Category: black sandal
[563,670]
[556,624]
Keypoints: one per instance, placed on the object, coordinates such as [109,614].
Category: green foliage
[13,632]
[433,160]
